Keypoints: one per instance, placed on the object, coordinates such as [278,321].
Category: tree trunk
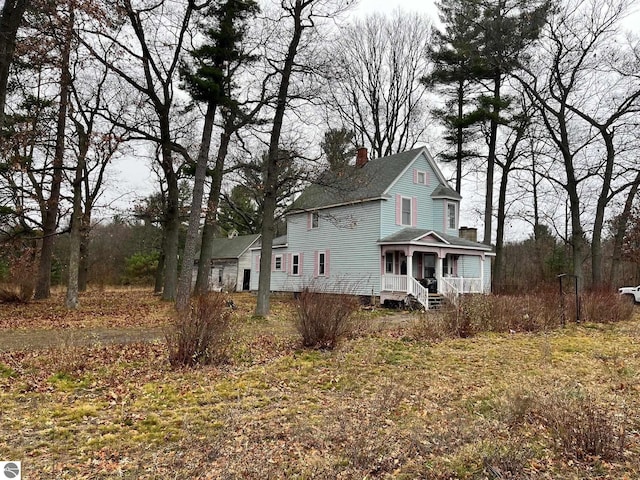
[10,20]
[188,257]
[597,269]
[159,277]
[459,137]
[621,229]
[85,230]
[75,236]
[211,225]
[171,226]
[50,220]
[271,176]
[491,161]
[498,265]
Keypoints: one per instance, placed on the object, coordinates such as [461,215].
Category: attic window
[421,177]
[315,217]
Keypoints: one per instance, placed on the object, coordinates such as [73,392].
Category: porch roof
[417,236]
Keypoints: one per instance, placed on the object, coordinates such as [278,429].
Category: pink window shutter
[300,267]
[316,263]
[284,263]
[398,209]
[415,176]
[414,211]
[290,262]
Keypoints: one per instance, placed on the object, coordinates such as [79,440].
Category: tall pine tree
[480,46]
[455,68]
[210,83]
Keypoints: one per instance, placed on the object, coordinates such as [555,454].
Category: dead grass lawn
[383,405]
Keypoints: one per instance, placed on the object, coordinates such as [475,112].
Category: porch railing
[394,283]
[446,285]
[419,292]
[458,285]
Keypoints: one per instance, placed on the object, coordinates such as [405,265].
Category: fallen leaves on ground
[382,405]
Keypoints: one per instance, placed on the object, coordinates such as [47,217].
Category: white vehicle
[633,291]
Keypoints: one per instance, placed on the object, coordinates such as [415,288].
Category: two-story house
[386,227]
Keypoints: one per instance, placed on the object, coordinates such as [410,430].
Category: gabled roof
[444,191]
[233,247]
[419,236]
[354,185]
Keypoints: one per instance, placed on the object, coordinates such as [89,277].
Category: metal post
[562,314]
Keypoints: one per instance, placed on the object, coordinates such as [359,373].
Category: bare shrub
[500,313]
[605,307]
[581,428]
[440,325]
[20,282]
[508,461]
[200,335]
[517,407]
[323,319]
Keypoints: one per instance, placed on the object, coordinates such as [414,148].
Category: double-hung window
[295,264]
[278,263]
[451,216]
[322,264]
[388,262]
[406,211]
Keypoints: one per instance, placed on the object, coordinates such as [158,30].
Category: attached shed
[231,263]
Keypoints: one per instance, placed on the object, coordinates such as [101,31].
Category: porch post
[409,271]
[482,286]
[439,272]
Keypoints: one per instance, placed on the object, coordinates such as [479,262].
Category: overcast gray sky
[369,6]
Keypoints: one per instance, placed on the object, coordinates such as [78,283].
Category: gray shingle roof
[280,241]
[355,184]
[232,247]
[445,191]
[407,235]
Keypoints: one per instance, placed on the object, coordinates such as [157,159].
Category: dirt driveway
[19,339]
[37,339]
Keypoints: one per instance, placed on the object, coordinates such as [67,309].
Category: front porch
[427,274]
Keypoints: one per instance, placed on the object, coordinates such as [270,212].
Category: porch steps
[436,301]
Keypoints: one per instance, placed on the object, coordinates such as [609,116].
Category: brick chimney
[468,233]
[361,157]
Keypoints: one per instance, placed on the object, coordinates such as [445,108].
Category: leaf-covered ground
[383,405]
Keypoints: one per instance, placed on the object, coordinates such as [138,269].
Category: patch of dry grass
[382,405]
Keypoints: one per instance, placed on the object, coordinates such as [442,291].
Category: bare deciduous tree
[374,83]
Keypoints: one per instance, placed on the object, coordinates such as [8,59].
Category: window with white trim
[315,218]
[451,215]
[406,211]
[421,178]
[278,263]
[295,264]
[322,265]
[388,262]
